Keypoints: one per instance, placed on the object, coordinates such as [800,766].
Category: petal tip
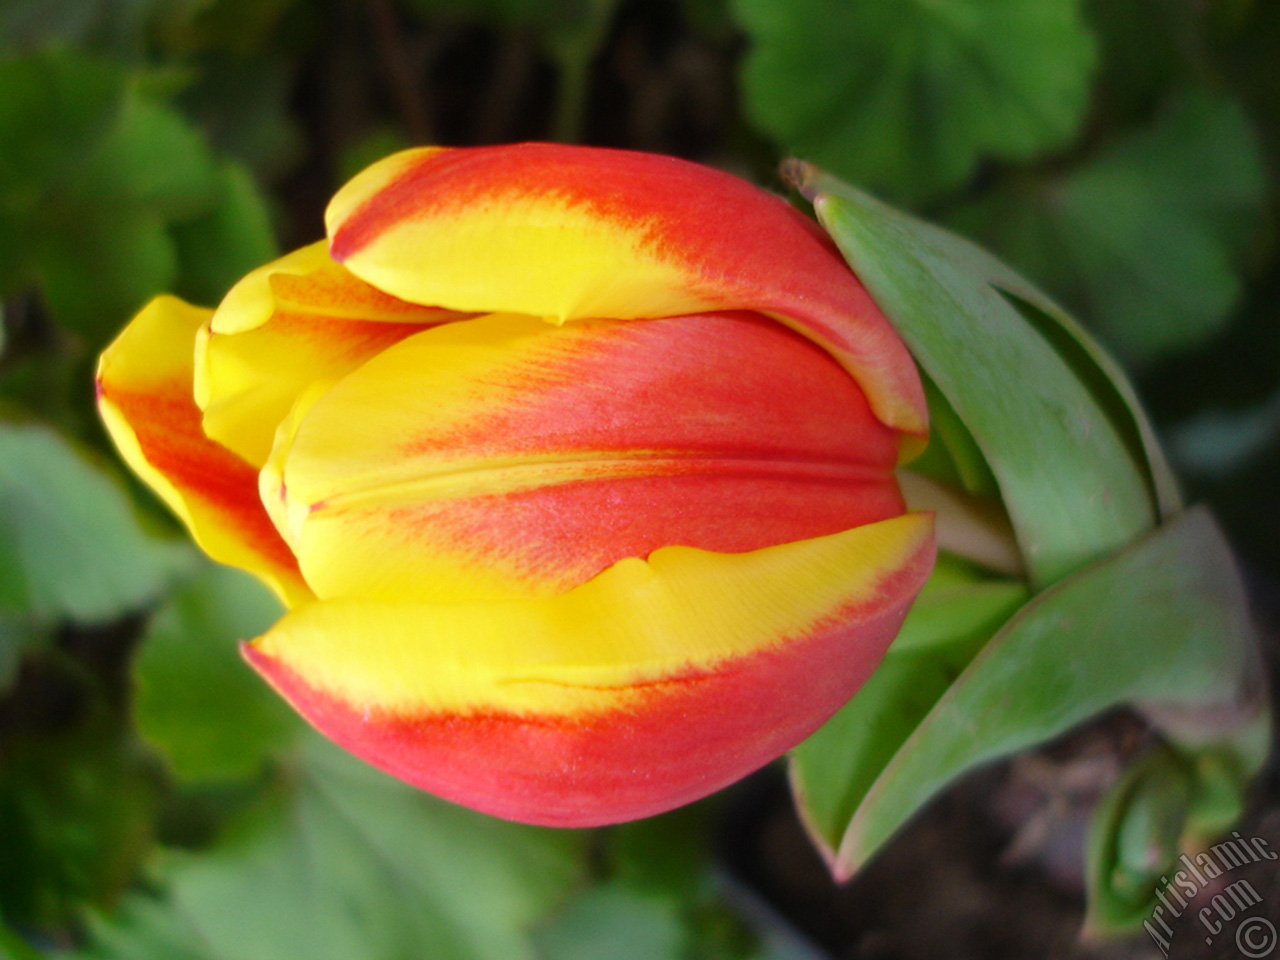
[252,655]
[266,665]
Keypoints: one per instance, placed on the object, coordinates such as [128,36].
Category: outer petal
[283,327]
[144,394]
[652,685]
[504,457]
[570,232]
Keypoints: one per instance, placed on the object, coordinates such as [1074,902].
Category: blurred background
[157,802]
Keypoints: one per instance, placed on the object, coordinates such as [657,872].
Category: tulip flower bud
[575,467]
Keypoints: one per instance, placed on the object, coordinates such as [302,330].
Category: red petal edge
[684,739]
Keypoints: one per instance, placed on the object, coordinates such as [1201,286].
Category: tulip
[574,467]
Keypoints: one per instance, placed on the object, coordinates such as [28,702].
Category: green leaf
[51,385]
[241,27]
[909,97]
[952,456]
[1164,804]
[1242,38]
[18,636]
[99,265]
[13,947]
[1162,624]
[197,701]
[95,168]
[77,811]
[1147,239]
[231,238]
[664,890]
[350,863]
[106,247]
[143,929]
[1148,47]
[615,921]
[1068,445]
[1134,837]
[106,25]
[152,157]
[507,12]
[956,613]
[70,543]
[1077,465]
[1217,443]
[57,106]
[242,104]
[667,854]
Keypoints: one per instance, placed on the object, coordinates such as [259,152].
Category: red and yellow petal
[653,684]
[144,394]
[502,457]
[570,232]
[300,320]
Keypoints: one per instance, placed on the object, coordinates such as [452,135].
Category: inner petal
[144,394]
[297,328]
[504,457]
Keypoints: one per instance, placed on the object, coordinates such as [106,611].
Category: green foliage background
[155,800]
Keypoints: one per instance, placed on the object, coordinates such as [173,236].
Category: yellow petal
[250,302]
[144,395]
[572,232]
[503,457]
[649,687]
[293,322]
[682,613]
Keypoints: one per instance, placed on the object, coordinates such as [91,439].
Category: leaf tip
[801,175]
